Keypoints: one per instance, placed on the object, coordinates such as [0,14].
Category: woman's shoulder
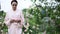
[19,10]
[8,11]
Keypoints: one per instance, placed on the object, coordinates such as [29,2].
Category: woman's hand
[11,21]
[17,21]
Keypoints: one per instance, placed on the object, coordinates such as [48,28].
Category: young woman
[14,19]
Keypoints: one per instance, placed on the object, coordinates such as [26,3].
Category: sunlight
[5,4]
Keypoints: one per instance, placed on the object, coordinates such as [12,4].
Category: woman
[14,19]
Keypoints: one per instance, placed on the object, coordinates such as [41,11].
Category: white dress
[14,28]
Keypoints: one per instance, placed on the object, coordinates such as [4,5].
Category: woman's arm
[22,19]
[7,20]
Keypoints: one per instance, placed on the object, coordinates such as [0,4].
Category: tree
[41,14]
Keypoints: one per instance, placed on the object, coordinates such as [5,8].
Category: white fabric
[14,28]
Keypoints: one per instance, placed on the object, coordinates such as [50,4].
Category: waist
[15,21]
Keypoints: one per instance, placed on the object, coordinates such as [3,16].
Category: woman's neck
[14,10]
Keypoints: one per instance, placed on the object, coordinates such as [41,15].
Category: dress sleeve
[22,18]
[6,20]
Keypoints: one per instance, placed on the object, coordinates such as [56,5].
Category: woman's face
[14,5]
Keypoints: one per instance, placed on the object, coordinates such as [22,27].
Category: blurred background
[41,16]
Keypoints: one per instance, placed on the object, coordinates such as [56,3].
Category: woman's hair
[14,1]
